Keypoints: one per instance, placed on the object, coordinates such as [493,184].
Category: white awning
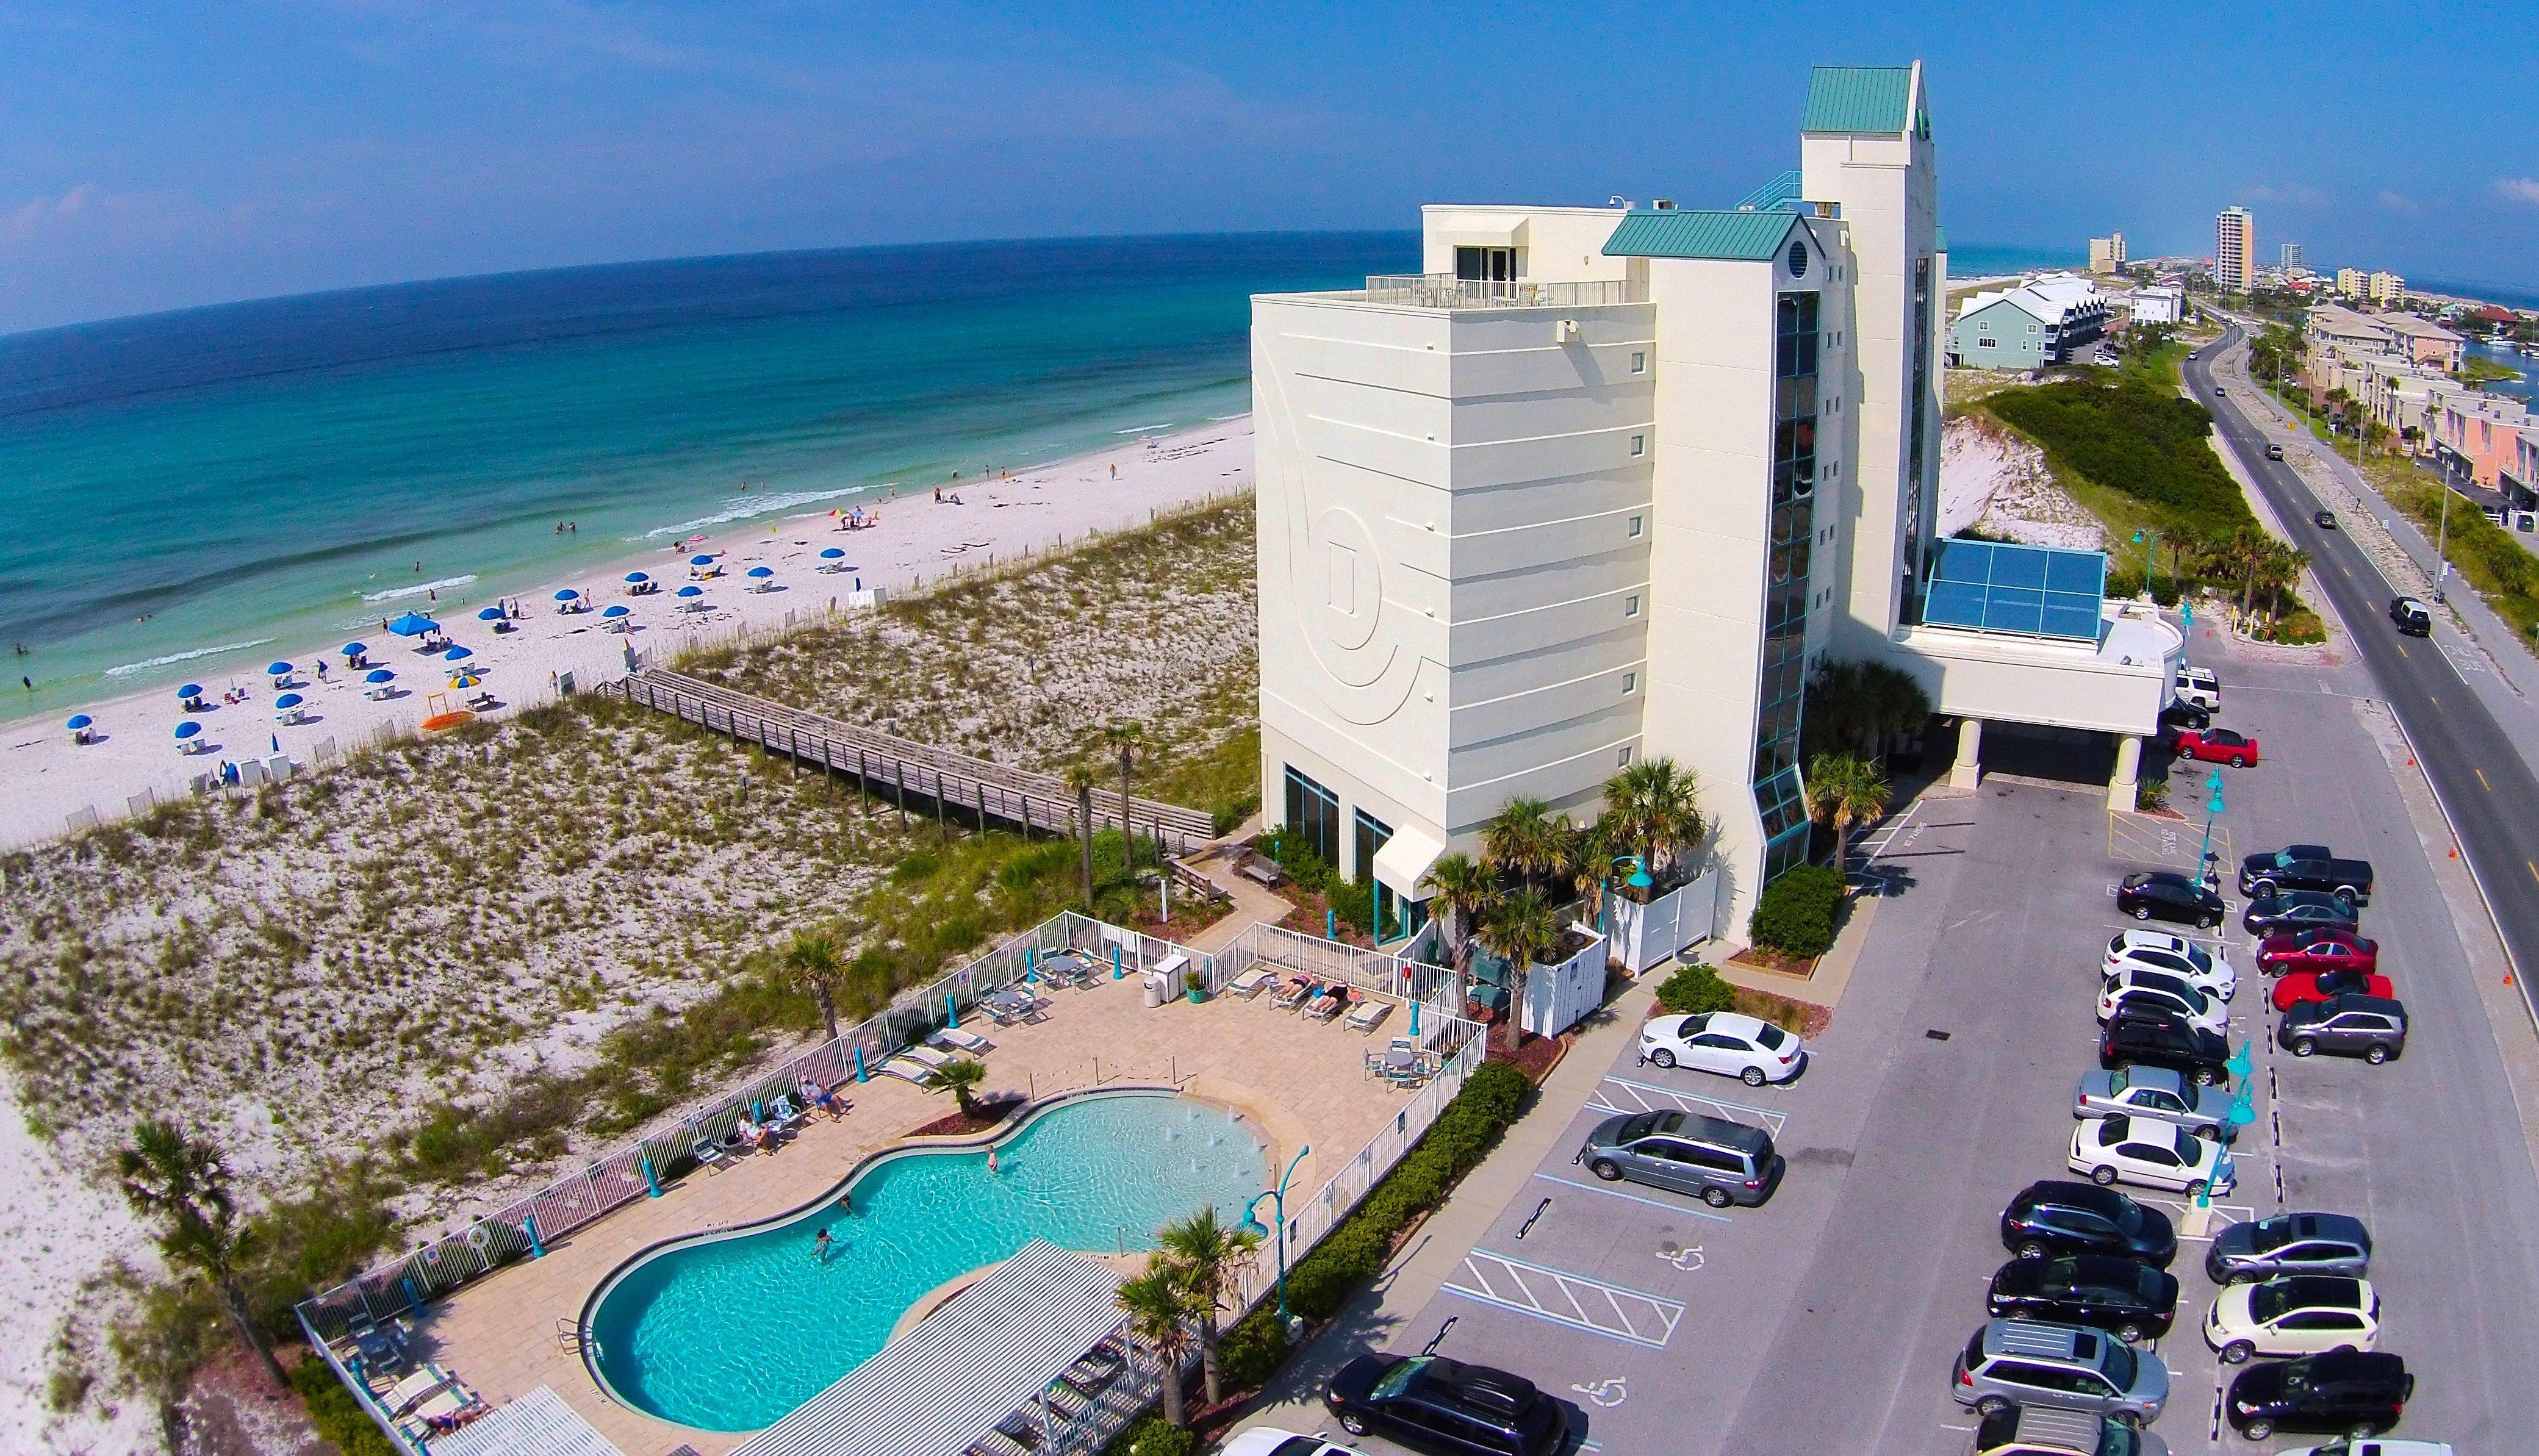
[936,1389]
[1404,860]
[538,1424]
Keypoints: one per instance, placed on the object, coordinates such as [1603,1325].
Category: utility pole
[2442,543]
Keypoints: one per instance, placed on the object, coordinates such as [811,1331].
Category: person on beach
[820,1243]
[1115,473]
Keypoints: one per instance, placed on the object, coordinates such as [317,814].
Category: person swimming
[992,1162]
[820,1243]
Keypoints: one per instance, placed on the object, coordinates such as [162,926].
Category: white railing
[1445,291]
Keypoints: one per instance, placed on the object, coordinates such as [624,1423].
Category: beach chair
[413,1390]
[926,1057]
[1250,982]
[708,1153]
[1292,995]
[782,1115]
[908,1071]
[1368,1011]
[953,1038]
[451,1403]
[1327,1004]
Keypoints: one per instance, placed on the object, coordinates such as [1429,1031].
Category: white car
[1723,1042]
[2303,1314]
[1269,1440]
[2375,1446]
[2151,1154]
[2203,1012]
[2158,951]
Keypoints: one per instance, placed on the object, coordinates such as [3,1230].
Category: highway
[2485,785]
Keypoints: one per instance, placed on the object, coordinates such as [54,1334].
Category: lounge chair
[926,1057]
[955,1039]
[782,1116]
[1250,982]
[908,1072]
[1326,1005]
[1292,995]
[453,1402]
[1095,1373]
[410,1392]
[709,1153]
[1368,1011]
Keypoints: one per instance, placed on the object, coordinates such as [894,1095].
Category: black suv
[2125,1297]
[2061,1218]
[2343,1390]
[2307,867]
[1434,1404]
[2411,616]
[2166,894]
[2148,1036]
[2294,910]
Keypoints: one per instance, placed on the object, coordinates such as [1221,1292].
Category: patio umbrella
[691,592]
[615,612]
[490,614]
[700,561]
[567,595]
[381,674]
[191,690]
[189,729]
[289,700]
[413,624]
[832,554]
[278,669]
[457,655]
[762,571]
[466,679]
[356,648]
[79,721]
[637,577]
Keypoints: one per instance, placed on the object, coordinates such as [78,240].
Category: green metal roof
[1859,98]
[1753,237]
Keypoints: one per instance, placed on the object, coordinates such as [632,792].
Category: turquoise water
[179,491]
[1987,259]
[732,1333]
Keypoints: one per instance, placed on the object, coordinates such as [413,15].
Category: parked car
[2166,894]
[2159,951]
[2372,1027]
[2289,1243]
[2185,716]
[2294,910]
[2295,1314]
[1723,1042]
[2139,984]
[2058,1216]
[2151,1154]
[2141,1036]
[2042,1431]
[2274,451]
[2324,519]
[2025,1362]
[2367,1446]
[2299,988]
[2413,617]
[2157,1093]
[2307,867]
[1433,1404]
[1719,1162]
[1269,1440]
[2216,746]
[2198,686]
[2355,1391]
[2317,948]
[2125,1297]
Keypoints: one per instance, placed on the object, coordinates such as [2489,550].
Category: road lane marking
[1654,1202]
[1622,1094]
[1581,1303]
[2534,870]
[2481,778]
[2401,647]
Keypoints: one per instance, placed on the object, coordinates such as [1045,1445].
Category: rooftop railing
[1445,291]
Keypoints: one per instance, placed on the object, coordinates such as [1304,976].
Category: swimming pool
[729,1332]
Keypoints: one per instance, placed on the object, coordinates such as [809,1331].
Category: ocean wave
[425,590]
[746,508]
[128,668]
[1144,429]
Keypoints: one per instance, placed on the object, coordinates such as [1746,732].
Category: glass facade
[1778,792]
[1314,812]
[1916,435]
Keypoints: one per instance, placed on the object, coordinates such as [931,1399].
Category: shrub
[1151,1435]
[1795,913]
[336,1414]
[1250,1352]
[1694,991]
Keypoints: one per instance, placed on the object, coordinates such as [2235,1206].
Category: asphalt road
[2487,787]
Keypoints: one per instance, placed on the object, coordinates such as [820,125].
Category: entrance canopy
[1404,860]
[936,1389]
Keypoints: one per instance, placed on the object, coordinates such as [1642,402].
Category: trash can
[1159,988]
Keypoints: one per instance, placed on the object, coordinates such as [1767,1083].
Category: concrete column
[2122,782]
[1967,772]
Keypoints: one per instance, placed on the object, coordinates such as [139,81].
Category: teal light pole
[1639,880]
[1278,1203]
[2149,541]
[2211,811]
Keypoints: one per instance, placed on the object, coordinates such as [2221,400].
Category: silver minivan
[1716,1160]
[2028,1362]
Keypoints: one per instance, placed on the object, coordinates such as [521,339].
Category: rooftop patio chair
[410,1392]
[1250,982]
[451,1401]
[926,1057]
[1021,1431]
[1368,1011]
[708,1153]
[1292,995]
[908,1072]
[955,1039]
[1323,1008]
[1096,1372]
[782,1115]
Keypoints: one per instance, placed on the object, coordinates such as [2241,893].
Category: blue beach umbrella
[79,720]
[615,612]
[189,729]
[691,592]
[457,655]
[289,700]
[567,595]
[637,577]
[356,648]
[700,561]
[413,624]
[832,554]
[381,674]
[490,614]
[762,571]
[191,690]
[278,669]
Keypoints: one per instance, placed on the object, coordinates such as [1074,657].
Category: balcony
[1445,291]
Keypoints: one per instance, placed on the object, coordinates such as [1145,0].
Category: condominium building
[2387,288]
[2107,254]
[2053,319]
[2157,303]
[2235,249]
[2352,283]
[2291,261]
[1601,484]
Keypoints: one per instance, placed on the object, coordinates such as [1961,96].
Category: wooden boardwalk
[897,767]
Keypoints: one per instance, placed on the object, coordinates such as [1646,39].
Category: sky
[160,154]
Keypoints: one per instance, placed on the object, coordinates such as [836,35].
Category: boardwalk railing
[898,767]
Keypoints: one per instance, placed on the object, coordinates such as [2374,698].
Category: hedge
[1152,1436]
[1795,913]
[338,1417]
[1694,990]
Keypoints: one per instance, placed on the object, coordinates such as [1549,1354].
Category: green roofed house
[1600,484]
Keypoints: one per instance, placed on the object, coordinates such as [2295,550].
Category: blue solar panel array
[2032,591]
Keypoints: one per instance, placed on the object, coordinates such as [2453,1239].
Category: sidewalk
[1251,900]
[1376,1319]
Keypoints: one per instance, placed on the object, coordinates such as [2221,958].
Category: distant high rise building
[2107,254]
[2235,249]
[2352,282]
[2388,288]
[2293,258]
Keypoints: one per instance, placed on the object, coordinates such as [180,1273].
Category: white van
[2197,687]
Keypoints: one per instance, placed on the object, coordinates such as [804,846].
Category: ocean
[181,492]
[1995,259]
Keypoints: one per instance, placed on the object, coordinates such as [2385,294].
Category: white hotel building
[1604,483]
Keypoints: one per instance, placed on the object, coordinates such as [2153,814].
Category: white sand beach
[917,540]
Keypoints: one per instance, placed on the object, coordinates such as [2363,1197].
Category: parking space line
[1654,1202]
[1582,1303]
[1629,1096]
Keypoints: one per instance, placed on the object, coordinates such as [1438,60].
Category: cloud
[43,213]
[2400,203]
[2522,190]
[88,216]
[2296,194]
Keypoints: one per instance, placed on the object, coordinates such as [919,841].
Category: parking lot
[1827,1320]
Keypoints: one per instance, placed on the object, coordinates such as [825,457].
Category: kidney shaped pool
[729,1332]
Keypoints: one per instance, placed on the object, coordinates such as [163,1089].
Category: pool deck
[1299,1082]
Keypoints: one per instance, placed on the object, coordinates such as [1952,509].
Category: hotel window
[1640,445]
[1314,815]
[1635,526]
[1622,758]
[1639,361]
[1630,606]
[1485,265]
[1630,683]
[1370,834]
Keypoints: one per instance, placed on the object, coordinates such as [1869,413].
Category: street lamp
[2147,539]
[2211,811]
[1251,1224]
[1639,880]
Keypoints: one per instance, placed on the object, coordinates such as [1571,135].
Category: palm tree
[811,962]
[181,1185]
[1844,792]
[1127,740]
[2241,554]
[1524,929]
[961,1077]
[1466,890]
[2279,568]
[1205,1255]
[1080,779]
[1161,1309]
[1893,703]
[1519,836]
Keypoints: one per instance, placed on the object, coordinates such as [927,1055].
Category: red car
[2317,948]
[2297,987]
[2217,745]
